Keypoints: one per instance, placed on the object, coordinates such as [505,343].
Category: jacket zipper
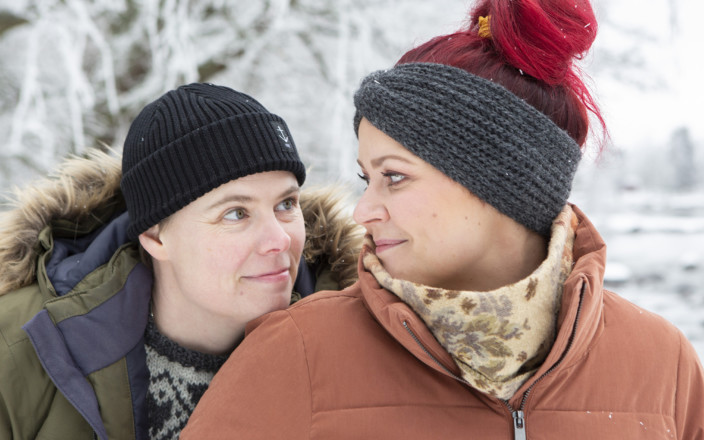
[519,418]
[519,425]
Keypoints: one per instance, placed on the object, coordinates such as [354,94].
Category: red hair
[530,52]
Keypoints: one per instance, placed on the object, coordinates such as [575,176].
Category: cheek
[223,254]
[420,213]
[297,232]
[435,224]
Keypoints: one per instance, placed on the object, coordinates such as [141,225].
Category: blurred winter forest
[73,74]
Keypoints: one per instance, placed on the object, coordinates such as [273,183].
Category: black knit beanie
[479,134]
[192,140]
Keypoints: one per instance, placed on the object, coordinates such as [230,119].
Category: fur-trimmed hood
[84,192]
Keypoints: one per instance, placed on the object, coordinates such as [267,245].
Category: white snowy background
[73,74]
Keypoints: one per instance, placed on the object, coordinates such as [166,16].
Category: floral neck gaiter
[497,338]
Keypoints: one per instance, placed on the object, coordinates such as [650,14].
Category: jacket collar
[403,324]
[583,298]
[89,329]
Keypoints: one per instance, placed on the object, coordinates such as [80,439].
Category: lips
[386,244]
[273,276]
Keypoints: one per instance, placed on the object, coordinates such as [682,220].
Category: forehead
[376,146]
[252,188]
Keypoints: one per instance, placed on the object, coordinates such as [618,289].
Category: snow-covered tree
[76,72]
[683,160]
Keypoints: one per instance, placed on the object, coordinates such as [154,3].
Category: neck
[528,252]
[515,256]
[188,327]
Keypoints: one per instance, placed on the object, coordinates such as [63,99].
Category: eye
[286,205]
[365,178]
[236,214]
[393,177]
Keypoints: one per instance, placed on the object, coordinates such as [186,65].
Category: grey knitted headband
[478,133]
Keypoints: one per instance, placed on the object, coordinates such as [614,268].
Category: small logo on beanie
[281,133]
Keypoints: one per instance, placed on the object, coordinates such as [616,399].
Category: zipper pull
[519,426]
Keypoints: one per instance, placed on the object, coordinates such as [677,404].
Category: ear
[151,243]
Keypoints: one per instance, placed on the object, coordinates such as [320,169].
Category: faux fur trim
[81,185]
[331,232]
[72,192]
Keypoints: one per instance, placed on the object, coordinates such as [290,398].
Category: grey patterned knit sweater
[178,377]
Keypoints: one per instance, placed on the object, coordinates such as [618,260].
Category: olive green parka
[74,300]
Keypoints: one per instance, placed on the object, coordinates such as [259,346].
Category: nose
[274,237]
[370,209]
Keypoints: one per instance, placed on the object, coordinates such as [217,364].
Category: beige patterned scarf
[497,338]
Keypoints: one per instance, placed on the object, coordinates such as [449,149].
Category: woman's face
[232,254]
[426,227]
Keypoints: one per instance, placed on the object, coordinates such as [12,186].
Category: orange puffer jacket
[360,364]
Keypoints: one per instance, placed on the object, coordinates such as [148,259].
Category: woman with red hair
[480,310]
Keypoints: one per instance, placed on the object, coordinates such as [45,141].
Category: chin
[409,275]
[395,273]
[283,301]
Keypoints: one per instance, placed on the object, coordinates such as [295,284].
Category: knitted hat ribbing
[192,140]
[478,133]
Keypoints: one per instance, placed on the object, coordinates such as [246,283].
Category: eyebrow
[376,162]
[240,198]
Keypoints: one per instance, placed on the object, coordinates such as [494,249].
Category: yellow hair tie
[484,31]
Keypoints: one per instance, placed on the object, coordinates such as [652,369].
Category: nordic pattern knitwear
[178,377]
[192,140]
[478,133]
